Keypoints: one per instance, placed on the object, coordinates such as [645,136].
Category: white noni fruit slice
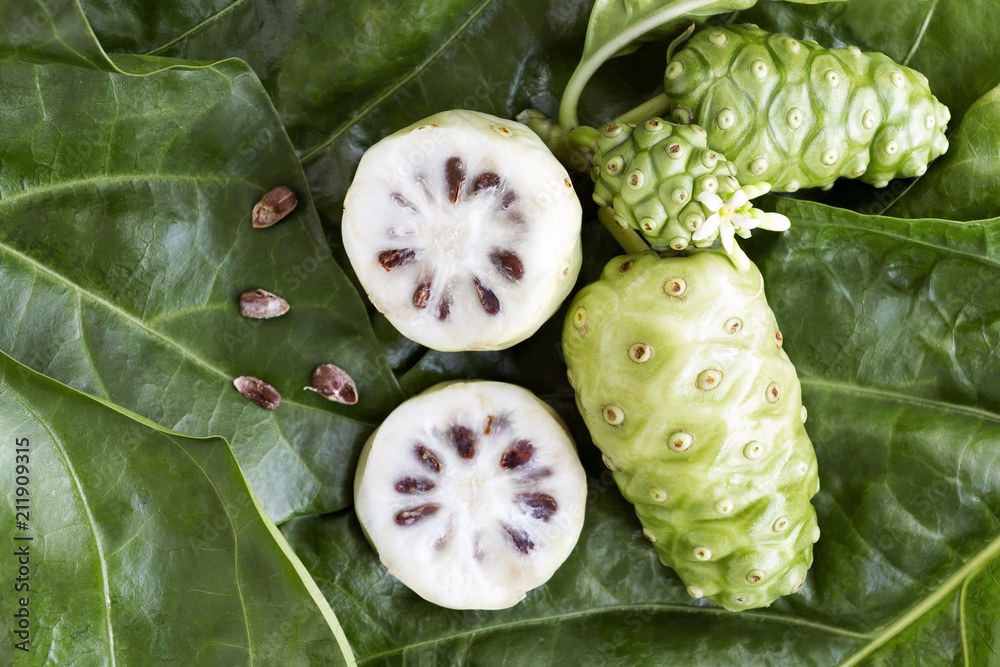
[464,230]
[471,493]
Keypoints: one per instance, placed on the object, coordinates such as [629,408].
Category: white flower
[737,216]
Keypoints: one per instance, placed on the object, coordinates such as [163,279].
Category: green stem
[588,66]
[627,238]
[656,107]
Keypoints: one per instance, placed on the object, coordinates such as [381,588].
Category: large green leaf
[892,326]
[139,546]
[962,184]
[127,241]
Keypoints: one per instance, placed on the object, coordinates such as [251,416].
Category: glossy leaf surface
[137,545]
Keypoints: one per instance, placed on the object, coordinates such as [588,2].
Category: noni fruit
[663,180]
[681,379]
[797,115]
[464,231]
[471,493]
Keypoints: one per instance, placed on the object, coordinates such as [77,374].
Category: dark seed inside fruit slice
[427,457]
[519,539]
[454,176]
[444,308]
[487,180]
[508,264]
[464,440]
[508,200]
[517,455]
[390,259]
[411,485]
[491,304]
[422,293]
[410,516]
[541,505]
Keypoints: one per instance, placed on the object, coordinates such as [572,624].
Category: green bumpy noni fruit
[681,379]
[651,175]
[797,115]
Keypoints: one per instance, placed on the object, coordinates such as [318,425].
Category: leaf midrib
[309,154]
[57,442]
[4,247]
[653,607]
[899,398]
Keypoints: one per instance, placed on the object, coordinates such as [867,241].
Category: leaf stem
[588,66]
[657,106]
[627,238]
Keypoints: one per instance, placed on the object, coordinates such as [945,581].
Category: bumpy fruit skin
[680,377]
[797,115]
[651,175]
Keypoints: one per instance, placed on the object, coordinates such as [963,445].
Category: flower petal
[707,228]
[774,222]
[712,201]
[738,200]
[726,232]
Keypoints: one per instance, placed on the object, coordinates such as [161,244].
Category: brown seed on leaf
[260,304]
[333,383]
[273,206]
[258,391]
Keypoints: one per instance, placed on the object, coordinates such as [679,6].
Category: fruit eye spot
[675,288]
[640,353]
[733,325]
[832,78]
[897,79]
[759,69]
[648,224]
[625,266]
[753,450]
[649,535]
[703,553]
[773,392]
[658,495]
[580,318]
[615,164]
[654,125]
[680,441]
[709,379]
[725,119]
[794,118]
[755,576]
[695,592]
[724,506]
[674,150]
[778,339]
[830,157]
[613,414]
[780,525]
[759,166]
[635,180]
[608,463]
[674,70]
[718,38]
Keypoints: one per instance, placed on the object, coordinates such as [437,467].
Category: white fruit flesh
[464,230]
[472,494]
